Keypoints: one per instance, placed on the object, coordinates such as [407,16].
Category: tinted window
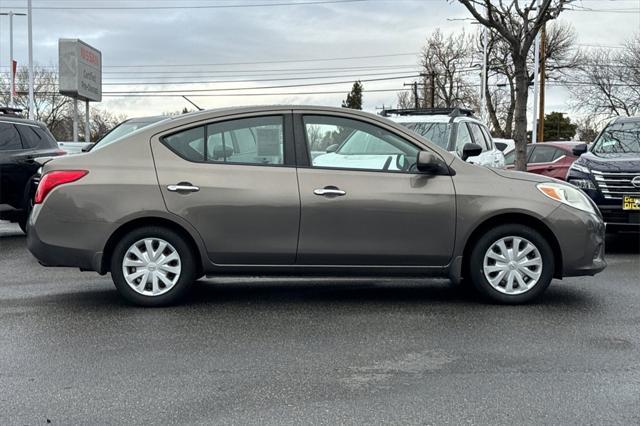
[258,140]
[34,137]
[437,133]
[359,145]
[542,154]
[478,137]
[559,153]
[510,158]
[9,137]
[251,140]
[463,137]
[189,144]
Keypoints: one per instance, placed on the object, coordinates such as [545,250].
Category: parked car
[609,172]
[546,158]
[235,191]
[451,129]
[75,147]
[21,142]
[127,126]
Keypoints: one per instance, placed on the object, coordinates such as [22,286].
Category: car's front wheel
[152,266]
[511,264]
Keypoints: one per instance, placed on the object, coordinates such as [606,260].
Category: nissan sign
[80,70]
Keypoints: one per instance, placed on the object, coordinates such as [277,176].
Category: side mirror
[427,162]
[579,149]
[470,150]
[332,148]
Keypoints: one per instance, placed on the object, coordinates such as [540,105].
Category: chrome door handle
[328,191]
[183,188]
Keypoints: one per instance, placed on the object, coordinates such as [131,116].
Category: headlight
[580,168]
[582,183]
[567,195]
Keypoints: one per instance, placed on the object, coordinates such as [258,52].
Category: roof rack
[452,112]
[12,112]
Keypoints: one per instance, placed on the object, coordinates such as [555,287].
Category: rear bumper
[581,237]
[52,255]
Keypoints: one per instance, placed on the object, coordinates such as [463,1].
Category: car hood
[529,177]
[611,162]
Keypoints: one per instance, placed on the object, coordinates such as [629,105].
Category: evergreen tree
[557,127]
[354,98]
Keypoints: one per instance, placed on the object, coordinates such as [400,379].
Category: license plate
[631,202]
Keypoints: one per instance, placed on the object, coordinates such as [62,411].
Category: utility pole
[433,89]
[12,77]
[30,36]
[543,65]
[416,99]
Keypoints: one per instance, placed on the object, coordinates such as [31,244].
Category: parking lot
[248,350]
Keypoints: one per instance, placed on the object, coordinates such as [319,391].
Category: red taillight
[52,179]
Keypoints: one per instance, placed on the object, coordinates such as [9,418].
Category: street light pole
[11,14]
[30,36]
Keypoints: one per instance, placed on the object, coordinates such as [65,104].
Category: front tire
[511,264]
[152,266]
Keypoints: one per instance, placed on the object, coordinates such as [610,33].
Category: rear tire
[153,266]
[511,264]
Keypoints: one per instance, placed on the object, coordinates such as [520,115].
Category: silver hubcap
[512,265]
[151,266]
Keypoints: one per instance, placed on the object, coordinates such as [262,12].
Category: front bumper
[581,238]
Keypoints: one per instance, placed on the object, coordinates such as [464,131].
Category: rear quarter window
[34,137]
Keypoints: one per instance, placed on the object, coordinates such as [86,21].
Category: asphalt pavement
[319,351]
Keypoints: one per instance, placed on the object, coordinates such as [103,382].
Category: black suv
[609,172]
[21,141]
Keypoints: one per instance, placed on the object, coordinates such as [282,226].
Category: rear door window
[542,154]
[9,137]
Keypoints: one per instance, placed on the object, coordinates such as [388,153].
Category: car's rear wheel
[511,264]
[152,266]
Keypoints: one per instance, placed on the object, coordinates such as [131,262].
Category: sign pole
[30,36]
[75,119]
[11,90]
[87,128]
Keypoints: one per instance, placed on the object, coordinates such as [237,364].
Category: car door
[13,175]
[234,180]
[364,203]
[541,160]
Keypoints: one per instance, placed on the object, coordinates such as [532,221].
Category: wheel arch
[517,218]
[144,222]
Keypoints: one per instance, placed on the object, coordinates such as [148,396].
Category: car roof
[438,118]
[150,119]
[625,120]
[19,120]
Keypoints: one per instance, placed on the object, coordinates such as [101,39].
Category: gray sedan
[237,191]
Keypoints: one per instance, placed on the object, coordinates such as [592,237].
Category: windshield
[437,133]
[619,138]
[124,129]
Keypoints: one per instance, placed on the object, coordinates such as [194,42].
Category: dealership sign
[80,70]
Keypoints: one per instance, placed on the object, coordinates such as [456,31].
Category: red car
[547,158]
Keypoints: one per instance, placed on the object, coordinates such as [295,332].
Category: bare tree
[518,26]
[50,106]
[561,56]
[405,100]
[449,59]
[608,84]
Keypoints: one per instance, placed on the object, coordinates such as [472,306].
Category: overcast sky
[180,40]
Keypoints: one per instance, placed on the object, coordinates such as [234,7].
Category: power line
[192,6]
